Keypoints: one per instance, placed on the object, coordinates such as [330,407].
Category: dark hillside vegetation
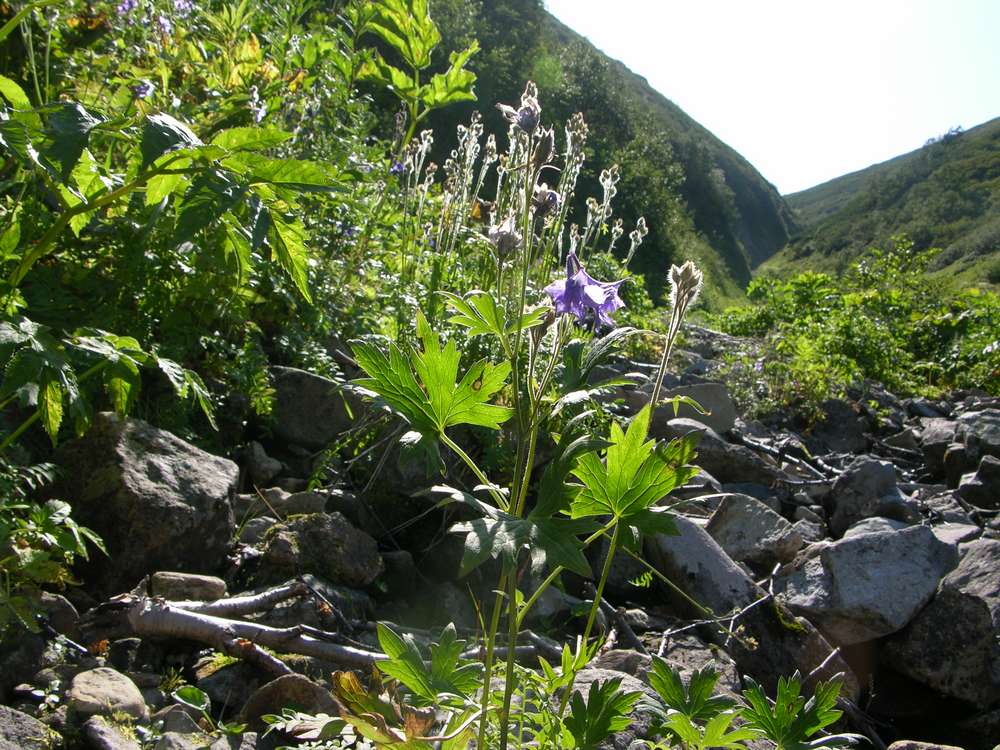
[699,197]
[944,195]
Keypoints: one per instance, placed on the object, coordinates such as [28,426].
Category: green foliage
[38,543]
[883,319]
[605,711]
[694,700]
[448,674]
[791,722]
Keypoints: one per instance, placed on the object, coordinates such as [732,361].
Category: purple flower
[126,6]
[580,292]
[397,168]
[183,7]
[143,90]
[165,24]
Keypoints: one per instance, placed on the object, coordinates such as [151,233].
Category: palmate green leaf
[406,25]
[605,712]
[695,701]
[632,479]
[379,71]
[405,663]
[421,383]
[549,541]
[455,84]
[790,722]
[450,674]
[479,313]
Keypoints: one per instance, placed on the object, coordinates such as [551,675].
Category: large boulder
[106,691]
[702,570]
[982,487]
[751,532]
[713,398]
[159,502]
[935,437]
[325,544]
[866,585]
[953,645]
[980,432]
[868,488]
[18,731]
[310,410]
[725,461]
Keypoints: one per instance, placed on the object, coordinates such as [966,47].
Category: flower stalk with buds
[685,286]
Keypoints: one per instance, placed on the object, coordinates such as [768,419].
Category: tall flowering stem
[685,285]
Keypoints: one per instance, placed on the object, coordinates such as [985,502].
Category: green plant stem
[612,548]
[676,316]
[497,496]
[488,665]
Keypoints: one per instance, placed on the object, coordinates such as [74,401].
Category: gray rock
[275,500]
[953,645]
[255,529]
[942,507]
[725,461]
[177,718]
[957,461]
[159,502]
[810,531]
[713,398]
[982,488]
[186,586]
[957,533]
[842,429]
[915,745]
[980,432]
[751,532]
[261,468]
[310,410]
[18,731]
[104,736]
[868,488]
[935,437]
[697,565]
[643,714]
[906,438]
[874,525]
[229,685]
[324,544]
[806,513]
[868,585]
[178,741]
[105,691]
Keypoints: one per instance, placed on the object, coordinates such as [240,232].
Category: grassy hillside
[944,195]
[701,199]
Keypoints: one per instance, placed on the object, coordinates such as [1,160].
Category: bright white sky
[808,90]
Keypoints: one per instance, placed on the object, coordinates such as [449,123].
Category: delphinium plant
[540,324]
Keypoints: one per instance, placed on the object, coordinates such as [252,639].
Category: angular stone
[104,736]
[935,437]
[186,586]
[865,586]
[310,410]
[953,645]
[275,500]
[982,488]
[105,691]
[261,468]
[915,745]
[713,398]
[751,532]
[725,461]
[809,531]
[980,432]
[874,525]
[324,544]
[18,731]
[159,502]
[867,488]
[697,565]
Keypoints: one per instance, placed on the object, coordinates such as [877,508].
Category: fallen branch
[237,606]
[159,619]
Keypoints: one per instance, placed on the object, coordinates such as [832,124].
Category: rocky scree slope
[868,544]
